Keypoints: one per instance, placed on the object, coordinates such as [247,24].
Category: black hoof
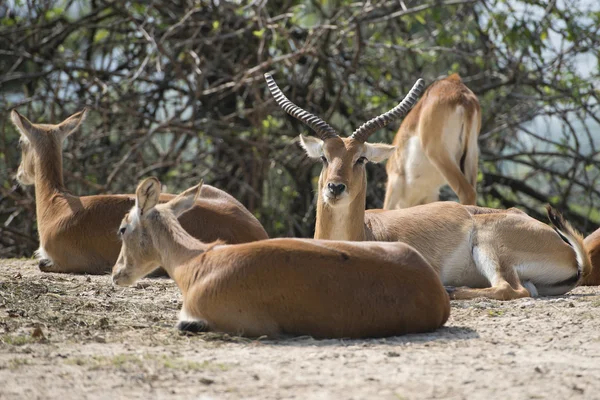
[44,265]
[450,289]
[192,326]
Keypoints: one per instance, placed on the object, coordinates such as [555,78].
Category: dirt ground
[64,336]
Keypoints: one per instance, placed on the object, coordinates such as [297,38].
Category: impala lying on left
[280,286]
[79,234]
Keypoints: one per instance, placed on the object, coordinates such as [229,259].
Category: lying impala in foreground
[79,234]
[500,255]
[280,286]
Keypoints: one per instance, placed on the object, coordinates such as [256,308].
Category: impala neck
[177,248]
[48,178]
[341,222]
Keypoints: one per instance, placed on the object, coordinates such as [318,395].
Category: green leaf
[100,35]
[54,12]
[259,34]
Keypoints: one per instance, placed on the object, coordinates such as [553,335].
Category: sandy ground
[66,337]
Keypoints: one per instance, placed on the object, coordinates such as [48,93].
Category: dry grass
[64,336]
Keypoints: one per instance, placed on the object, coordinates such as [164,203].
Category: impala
[497,254]
[436,144]
[592,244]
[280,286]
[79,234]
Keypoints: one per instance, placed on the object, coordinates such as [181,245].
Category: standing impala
[436,144]
[280,286]
[468,246]
[79,234]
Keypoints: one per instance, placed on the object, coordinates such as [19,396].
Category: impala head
[141,251]
[41,139]
[343,177]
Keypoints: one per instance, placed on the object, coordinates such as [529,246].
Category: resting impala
[280,286]
[79,234]
[592,244]
[468,246]
[436,144]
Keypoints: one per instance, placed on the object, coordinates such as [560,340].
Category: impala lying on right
[79,234]
[436,144]
[592,244]
[468,246]
[280,286]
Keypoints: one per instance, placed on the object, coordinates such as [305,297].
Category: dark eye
[324,159]
[361,160]
[122,230]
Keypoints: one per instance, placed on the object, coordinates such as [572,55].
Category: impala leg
[438,155]
[192,326]
[394,191]
[45,265]
[504,281]
[188,323]
[471,162]
[502,291]
[435,133]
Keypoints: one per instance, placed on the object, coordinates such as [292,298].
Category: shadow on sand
[444,334]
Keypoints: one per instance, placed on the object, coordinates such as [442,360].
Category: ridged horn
[321,128]
[368,128]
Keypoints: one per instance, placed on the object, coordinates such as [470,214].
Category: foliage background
[176,90]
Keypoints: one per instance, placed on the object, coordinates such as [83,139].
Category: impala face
[143,227]
[46,140]
[343,176]
[38,140]
[138,257]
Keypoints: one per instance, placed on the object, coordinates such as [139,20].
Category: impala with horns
[280,286]
[592,244]
[477,251]
[436,144]
[79,234]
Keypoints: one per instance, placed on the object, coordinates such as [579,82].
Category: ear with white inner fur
[146,195]
[378,152]
[185,200]
[70,125]
[312,145]
[23,125]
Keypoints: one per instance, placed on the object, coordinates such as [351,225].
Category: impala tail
[573,238]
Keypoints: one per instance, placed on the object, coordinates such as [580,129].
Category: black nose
[336,190]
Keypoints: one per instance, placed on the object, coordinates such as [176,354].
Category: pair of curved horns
[325,131]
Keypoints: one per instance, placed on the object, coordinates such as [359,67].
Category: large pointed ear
[312,145]
[71,124]
[146,195]
[186,200]
[23,125]
[378,152]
